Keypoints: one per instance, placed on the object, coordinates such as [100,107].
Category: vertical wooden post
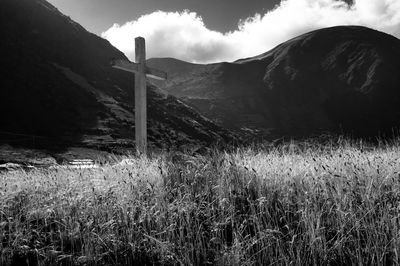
[141,72]
[140,97]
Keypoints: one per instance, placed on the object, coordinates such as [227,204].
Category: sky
[207,31]
[99,15]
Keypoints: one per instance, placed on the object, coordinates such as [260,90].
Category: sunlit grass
[292,204]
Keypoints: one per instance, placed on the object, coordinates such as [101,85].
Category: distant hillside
[342,79]
[58,88]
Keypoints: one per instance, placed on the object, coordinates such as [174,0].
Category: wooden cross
[141,72]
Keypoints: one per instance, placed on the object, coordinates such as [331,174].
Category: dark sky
[99,15]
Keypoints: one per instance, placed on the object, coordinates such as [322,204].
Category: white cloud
[183,35]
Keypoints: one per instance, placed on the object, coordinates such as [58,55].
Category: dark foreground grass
[296,204]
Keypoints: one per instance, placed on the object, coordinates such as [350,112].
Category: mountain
[58,89]
[343,79]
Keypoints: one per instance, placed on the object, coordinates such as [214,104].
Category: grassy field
[291,204]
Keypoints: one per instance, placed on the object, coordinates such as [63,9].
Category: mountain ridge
[322,81]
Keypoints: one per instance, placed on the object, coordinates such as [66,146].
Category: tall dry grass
[293,204]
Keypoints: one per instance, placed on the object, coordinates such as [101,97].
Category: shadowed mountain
[58,89]
[342,79]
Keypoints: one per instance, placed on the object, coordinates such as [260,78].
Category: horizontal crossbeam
[133,68]
[124,65]
[155,74]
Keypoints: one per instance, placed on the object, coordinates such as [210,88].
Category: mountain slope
[58,88]
[340,79]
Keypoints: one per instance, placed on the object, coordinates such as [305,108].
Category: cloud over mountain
[185,36]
